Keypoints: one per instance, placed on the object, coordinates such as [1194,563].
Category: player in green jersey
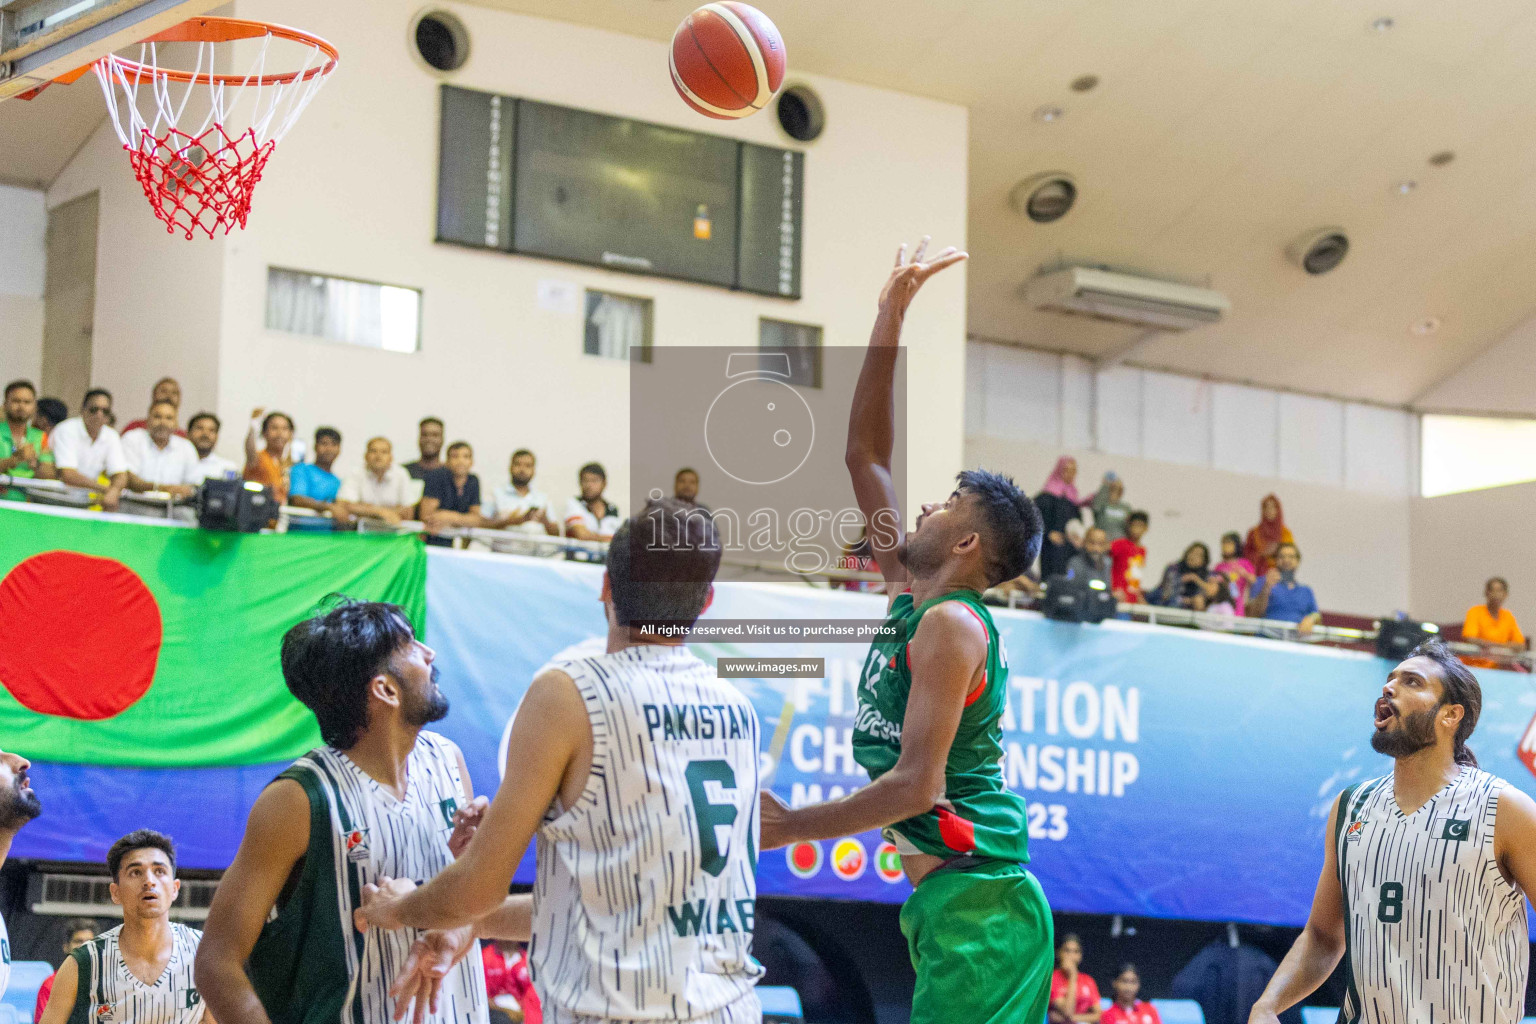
[931,701]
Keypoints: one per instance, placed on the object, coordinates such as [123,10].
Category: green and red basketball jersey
[988,820]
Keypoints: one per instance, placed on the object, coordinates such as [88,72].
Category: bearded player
[1425,872]
[18,805]
[928,731]
[383,798]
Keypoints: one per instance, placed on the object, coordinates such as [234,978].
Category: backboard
[43,39]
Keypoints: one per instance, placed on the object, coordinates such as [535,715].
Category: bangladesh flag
[123,644]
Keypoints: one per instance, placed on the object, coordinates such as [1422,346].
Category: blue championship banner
[1169,772]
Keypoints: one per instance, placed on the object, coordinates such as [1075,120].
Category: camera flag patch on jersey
[1356,830]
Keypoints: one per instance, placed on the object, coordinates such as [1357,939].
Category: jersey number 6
[711,815]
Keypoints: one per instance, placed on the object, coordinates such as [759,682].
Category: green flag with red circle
[152,646]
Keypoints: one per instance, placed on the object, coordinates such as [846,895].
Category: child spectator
[1127,1009]
[1491,624]
[1110,509]
[1129,560]
[1264,540]
[1240,572]
[1074,995]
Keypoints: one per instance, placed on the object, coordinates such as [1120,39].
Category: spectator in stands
[1264,540]
[1074,995]
[77,932]
[1093,562]
[1059,504]
[1129,560]
[1240,573]
[312,485]
[1110,509]
[1188,583]
[203,432]
[452,498]
[685,488]
[381,490]
[507,981]
[590,515]
[516,505]
[86,450]
[1489,624]
[158,460]
[50,413]
[429,441]
[1281,598]
[1127,1009]
[267,463]
[24,450]
[166,390]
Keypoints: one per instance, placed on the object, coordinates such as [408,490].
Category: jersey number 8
[1390,908]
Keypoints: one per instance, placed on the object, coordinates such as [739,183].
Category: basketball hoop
[199,177]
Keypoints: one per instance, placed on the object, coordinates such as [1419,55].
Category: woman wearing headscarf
[1188,583]
[1059,505]
[1110,509]
[1264,538]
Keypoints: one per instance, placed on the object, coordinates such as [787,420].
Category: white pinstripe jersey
[1433,931]
[109,993]
[646,890]
[372,834]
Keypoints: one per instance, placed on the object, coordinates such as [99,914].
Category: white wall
[1459,540]
[1199,456]
[352,192]
[24,226]
[1501,379]
[157,294]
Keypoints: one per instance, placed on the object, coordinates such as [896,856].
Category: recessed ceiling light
[1049,113]
[1442,158]
[1083,83]
[1429,325]
[1402,188]
[1383,24]
[1044,198]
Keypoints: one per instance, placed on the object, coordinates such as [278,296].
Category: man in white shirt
[158,460]
[86,449]
[203,432]
[590,515]
[517,506]
[382,490]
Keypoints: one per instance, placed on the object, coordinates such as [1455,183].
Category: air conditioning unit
[1125,298]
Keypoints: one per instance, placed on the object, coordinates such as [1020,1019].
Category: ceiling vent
[1319,250]
[1126,298]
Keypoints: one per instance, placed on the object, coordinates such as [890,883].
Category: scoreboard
[520,176]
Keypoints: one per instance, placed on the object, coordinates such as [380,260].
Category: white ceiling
[1221,130]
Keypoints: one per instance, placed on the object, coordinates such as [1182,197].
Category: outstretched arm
[551,723]
[948,653]
[872,420]
[1317,950]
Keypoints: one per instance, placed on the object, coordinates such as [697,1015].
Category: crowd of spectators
[439,488]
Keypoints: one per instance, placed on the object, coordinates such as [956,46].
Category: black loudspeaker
[1396,637]
[1078,599]
[235,505]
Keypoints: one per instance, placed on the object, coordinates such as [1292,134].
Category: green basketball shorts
[981,941]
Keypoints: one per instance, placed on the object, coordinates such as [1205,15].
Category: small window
[1469,453]
[617,325]
[801,342]
[340,309]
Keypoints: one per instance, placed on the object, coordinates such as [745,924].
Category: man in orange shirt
[269,466]
[1491,624]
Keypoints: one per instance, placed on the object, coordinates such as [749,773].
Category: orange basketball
[727,60]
